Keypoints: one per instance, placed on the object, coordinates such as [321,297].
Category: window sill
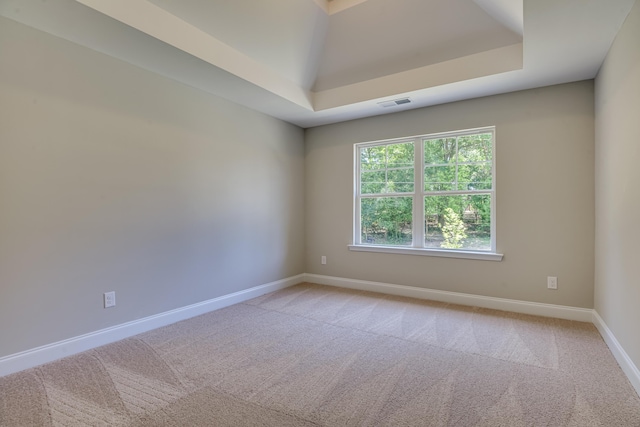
[484,256]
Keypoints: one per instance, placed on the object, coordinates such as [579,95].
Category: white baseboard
[50,352]
[625,362]
[534,308]
[538,309]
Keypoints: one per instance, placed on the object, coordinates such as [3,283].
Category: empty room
[319,213]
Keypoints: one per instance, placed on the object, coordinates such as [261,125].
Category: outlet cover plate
[109,299]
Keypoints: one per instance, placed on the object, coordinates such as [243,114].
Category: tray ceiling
[312,62]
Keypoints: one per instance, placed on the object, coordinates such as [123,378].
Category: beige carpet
[312,355]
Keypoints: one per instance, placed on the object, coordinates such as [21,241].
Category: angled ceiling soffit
[148,18]
[495,61]
[160,24]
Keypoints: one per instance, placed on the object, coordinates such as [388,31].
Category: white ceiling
[380,38]
[312,62]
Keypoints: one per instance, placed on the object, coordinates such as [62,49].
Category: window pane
[373,182]
[439,151]
[386,221]
[474,148]
[400,155]
[400,181]
[439,178]
[458,222]
[372,158]
[453,163]
[474,177]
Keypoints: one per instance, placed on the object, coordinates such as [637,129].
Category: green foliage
[460,163]
[453,230]
[482,205]
[387,169]
[387,220]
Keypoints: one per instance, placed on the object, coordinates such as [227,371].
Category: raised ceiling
[312,62]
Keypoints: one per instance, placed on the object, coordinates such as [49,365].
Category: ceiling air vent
[394,103]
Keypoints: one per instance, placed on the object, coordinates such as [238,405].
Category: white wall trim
[625,362]
[525,307]
[50,352]
[538,309]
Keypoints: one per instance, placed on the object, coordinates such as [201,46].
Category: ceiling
[313,62]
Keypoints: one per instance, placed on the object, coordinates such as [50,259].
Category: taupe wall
[617,273]
[113,178]
[545,197]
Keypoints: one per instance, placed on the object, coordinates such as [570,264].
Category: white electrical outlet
[109,299]
[552,282]
[323,260]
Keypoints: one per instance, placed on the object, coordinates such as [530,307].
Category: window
[431,193]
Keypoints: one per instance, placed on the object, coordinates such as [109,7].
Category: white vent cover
[394,103]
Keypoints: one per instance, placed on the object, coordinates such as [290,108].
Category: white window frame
[417,247]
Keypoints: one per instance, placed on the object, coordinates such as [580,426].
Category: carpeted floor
[312,355]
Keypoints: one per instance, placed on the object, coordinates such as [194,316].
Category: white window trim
[444,253]
[417,247]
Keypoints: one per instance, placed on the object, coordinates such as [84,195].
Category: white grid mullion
[456,160]
[418,198]
[458,193]
[399,168]
[376,195]
[474,163]
[356,204]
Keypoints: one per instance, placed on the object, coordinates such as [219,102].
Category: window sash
[419,194]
